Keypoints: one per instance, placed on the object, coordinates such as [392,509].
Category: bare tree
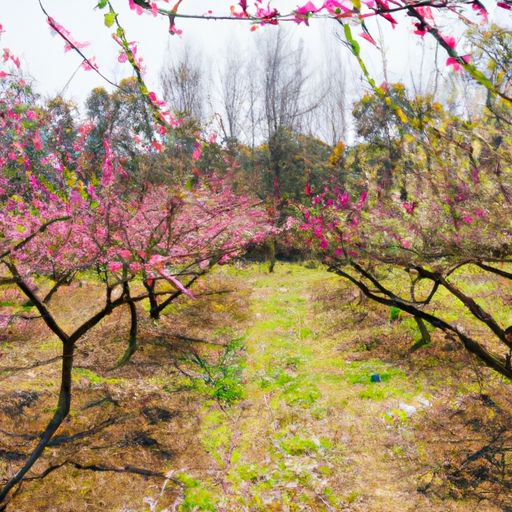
[330,118]
[233,97]
[184,82]
[287,97]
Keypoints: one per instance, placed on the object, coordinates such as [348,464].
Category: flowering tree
[451,214]
[60,216]
[157,235]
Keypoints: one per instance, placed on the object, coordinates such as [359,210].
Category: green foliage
[196,496]
[296,445]
[110,18]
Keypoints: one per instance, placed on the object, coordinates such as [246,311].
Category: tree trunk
[62,411]
[132,340]
[272,255]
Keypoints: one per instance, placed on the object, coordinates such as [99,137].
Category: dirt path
[314,433]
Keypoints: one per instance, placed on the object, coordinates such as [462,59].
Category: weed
[221,380]
[352,497]
[296,445]
[196,496]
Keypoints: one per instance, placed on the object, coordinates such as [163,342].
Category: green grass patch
[94,378]
[197,497]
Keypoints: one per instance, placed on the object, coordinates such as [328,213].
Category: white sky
[28,36]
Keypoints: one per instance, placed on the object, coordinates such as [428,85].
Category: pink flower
[425,12]
[480,10]
[362,200]
[196,155]
[409,207]
[302,14]
[135,267]
[156,260]
[421,29]
[335,8]
[114,266]
[368,37]
[125,254]
[135,7]
[450,41]
[88,65]
[203,264]
[457,66]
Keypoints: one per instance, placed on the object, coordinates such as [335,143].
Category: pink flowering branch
[73,45]
[29,238]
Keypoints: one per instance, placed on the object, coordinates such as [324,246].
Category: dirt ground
[256,396]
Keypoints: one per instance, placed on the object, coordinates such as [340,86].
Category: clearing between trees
[283,392]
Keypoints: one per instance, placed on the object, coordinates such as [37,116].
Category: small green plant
[394,314]
[296,445]
[352,497]
[221,380]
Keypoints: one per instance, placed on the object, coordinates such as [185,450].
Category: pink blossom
[135,7]
[114,266]
[450,41]
[302,14]
[452,61]
[368,37]
[362,200]
[135,267]
[409,207]
[425,12]
[203,264]
[196,155]
[480,10]
[335,8]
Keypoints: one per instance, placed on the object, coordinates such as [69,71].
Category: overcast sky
[42,54]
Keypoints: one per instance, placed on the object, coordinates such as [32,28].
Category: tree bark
[60,414]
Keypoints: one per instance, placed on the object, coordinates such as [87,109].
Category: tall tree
[184,82]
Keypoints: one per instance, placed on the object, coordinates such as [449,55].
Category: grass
[93,378]
[283,416]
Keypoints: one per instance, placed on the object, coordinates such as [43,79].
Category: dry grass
[309,431]
[138,416]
